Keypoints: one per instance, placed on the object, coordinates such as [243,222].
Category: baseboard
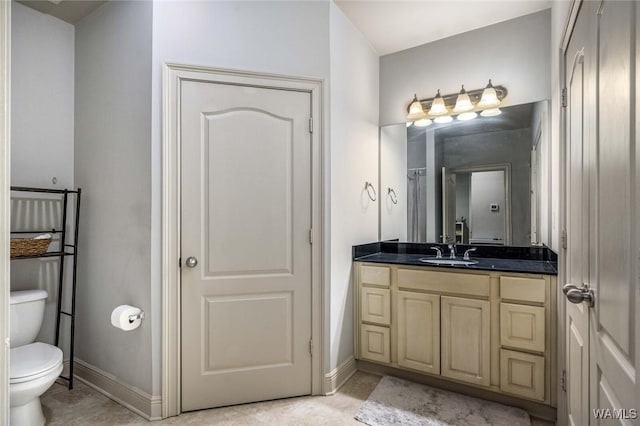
[338,376]
[136,400]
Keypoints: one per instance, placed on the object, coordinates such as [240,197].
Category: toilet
[33,366]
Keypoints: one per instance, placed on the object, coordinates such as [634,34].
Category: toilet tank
[26,311]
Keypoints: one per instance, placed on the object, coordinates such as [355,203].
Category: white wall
[290,38]
[354,160]
[42,86]
[513,53]
[113,167]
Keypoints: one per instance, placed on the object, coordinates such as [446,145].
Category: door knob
[579,294]
[191,262]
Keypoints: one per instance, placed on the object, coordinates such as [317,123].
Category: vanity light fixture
[489,97]
[438,106]
[465,104]
[415,110]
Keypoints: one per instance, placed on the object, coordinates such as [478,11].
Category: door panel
[613,362]
[577,273]
[488,225]
[448,206]
[246,215]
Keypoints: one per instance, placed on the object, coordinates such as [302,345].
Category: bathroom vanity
[490,325]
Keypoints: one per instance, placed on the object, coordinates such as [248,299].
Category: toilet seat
[32,361]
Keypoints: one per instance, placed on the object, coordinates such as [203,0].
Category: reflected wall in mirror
[473,182]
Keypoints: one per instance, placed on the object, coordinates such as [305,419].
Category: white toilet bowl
[33,369]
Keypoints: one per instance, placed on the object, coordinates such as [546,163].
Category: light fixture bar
[450,99]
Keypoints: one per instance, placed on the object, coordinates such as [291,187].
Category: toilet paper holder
[139,315]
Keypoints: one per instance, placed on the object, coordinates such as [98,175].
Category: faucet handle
[439,254]
[466,253]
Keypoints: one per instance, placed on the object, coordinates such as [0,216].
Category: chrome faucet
[466,253]
[452,247]
[439,255]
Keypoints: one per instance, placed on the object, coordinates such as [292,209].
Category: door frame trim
[173,74]
[5,185]
[572,16]
[506,168]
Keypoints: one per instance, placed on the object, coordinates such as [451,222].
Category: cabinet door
[376,305]
[465,340]
[375,343]
[522,374]
[419,331]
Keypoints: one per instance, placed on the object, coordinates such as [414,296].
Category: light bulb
[491,112]
[466,116]
[443,119]
[423,122]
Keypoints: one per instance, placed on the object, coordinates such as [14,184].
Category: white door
[603,344]
[448,206]
[577,271]
[614,361]
[246,218]
[487,208]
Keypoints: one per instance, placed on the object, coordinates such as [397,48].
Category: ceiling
[391,26]
[71,11]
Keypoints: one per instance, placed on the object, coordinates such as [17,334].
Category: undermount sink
[443,261]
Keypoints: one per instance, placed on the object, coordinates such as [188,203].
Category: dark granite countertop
[534,260]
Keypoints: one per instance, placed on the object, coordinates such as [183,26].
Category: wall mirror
[468,182]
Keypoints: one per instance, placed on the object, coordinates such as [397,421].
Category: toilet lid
[33,360]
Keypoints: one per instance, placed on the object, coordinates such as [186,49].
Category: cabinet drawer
[376,275]
[375,305]
[522,374]
[445,282]
[522,326]
[525,289]
[375,343]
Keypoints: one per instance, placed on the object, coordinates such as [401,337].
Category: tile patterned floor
[84,406]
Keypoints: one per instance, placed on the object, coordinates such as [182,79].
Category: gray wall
[42,104]
[274,37]
[511,146]
[42,79]
[514,53]
[113,167]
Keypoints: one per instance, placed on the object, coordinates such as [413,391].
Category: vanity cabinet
[487,329]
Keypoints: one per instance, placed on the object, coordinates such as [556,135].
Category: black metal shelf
[61,255]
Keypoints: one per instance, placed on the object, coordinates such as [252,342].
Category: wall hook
[369,187]
[392,194]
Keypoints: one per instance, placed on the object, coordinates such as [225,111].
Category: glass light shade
[437,106]
[463,103]
[466,116]
[489,97]
[423,122]
[415,110]
[409,123]
[491,112]
[443,119]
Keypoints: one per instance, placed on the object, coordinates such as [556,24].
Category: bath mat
[399,402]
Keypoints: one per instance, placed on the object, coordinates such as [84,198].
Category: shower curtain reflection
[417,205]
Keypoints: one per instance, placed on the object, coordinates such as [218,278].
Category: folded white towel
[43,237]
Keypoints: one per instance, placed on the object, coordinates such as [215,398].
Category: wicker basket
[29,246]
